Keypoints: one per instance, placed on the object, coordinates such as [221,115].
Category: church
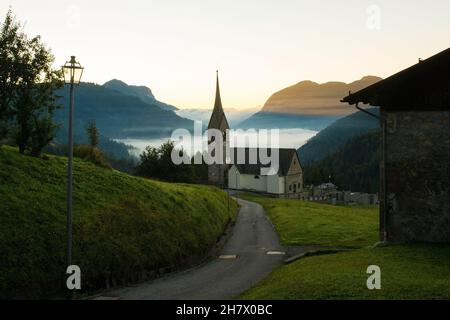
[286,181]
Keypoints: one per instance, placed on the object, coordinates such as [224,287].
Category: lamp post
[72,75]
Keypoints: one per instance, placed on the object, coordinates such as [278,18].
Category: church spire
[218,103]
[218,115]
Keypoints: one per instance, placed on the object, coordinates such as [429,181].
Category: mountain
[306,105]
[118,115]
[143,93]
[353,166]
[311,98]
[234,116]
[327,141]
[272,120]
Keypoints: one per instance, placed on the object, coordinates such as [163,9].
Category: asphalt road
[224,277]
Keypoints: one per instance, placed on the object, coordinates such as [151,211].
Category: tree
[27,87]
[93,134]
[10,41]
[157,163]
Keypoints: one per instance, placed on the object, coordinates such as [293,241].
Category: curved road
[226,276]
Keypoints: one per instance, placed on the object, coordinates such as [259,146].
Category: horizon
[174,48]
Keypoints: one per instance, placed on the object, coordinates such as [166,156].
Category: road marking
[228,257]
[274,253]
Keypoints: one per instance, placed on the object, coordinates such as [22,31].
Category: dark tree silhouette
[27,86]
[93,134]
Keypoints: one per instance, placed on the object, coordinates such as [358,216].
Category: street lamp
[72,75]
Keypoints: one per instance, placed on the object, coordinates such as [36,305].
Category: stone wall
[217,174]
[294,178]
[418,176]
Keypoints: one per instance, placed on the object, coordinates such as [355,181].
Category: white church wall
[233,178]
[270,184]
[253,182]
[275,184]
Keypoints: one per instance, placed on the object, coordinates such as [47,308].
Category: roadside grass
[124,226]
[408,271]
[306,223]
[414,271]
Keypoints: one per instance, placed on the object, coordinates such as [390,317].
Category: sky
[259,46]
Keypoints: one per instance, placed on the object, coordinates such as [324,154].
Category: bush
[91,154]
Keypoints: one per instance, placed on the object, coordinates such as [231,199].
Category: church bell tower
[217,173]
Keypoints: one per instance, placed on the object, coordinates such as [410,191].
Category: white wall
[251,183]
[271,184]
[275,184]
[233,178]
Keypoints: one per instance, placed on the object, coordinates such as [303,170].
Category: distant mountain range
[348,151]
[329,140]
[234,116]
[120,111]
[311,98]
[306,105]
[141,92]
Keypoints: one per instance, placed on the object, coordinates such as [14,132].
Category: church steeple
[218,119]
[218,103]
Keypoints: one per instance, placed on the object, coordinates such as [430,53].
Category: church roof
[218,115]
[285,159]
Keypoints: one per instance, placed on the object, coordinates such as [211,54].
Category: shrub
[91,154]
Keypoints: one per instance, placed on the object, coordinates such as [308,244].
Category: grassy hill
[124,226]
[408,271]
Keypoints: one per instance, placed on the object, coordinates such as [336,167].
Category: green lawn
[123,225]
[409,271]
[302,222]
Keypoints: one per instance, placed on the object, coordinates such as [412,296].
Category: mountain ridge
[308,97]
[118,115]
[330,139]
[142,92]
[307,105]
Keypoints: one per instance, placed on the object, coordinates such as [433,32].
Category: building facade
[288,180]
[415,150]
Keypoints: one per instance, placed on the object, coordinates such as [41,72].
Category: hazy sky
[259,46]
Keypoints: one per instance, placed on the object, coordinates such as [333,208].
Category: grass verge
[305,223]
[124,226]
[408,271]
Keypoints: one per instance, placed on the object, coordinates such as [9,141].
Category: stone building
[415,157]
[217,172]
